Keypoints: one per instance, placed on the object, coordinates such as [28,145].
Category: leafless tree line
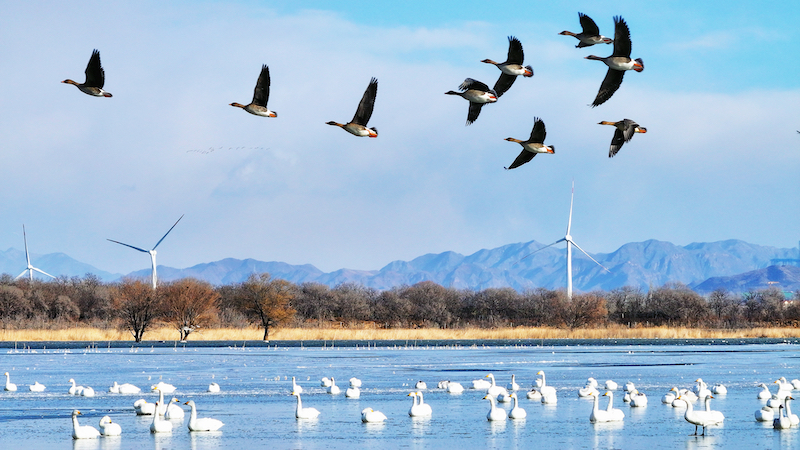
[189,305]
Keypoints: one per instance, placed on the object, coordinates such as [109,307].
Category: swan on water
[296,387]
[203,423]
[174,411]
[481,384]
[125,388]
[670,396]
[214,387]
[442,384]
[494,389]
[421,385]
[82,431]
[9,385]
[629,386]
[638,399]
[325,382]
[793,419]
[304,413]
[765,414]
[781,422]
[610,414]
[75,390]
[164,387]
[701,418]
[333,388]
[144,408]
[87,392]
[764,394]
[354,382]
[37,387]
[454,387]
[513,386]
[548,393]
[109,428]
[352,392]
[516,412]
[719,389]
[369,415]
[494,413]
[611,385]
[158,425]
[417,409]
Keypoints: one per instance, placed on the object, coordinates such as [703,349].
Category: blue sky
[719,96]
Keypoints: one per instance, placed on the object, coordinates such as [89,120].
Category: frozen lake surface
[259,412]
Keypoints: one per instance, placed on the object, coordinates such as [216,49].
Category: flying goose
[477,94]
[358,126]
[619,61]
[258,106]
[534,145]
[590,35]
[511,68]
[626,128]
[95,78]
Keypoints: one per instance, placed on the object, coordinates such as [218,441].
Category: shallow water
[259,412]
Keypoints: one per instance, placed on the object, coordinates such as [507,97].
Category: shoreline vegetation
[90,334]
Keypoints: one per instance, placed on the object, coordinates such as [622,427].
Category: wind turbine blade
[25,237]
[42,271]
[20,275]
[179,219]
[126,245]
[571,199]
[590,256]
[540,249]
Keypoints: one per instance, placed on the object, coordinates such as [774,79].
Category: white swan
[304,413]
[424,407]
[204,423]
[372,416]
[544,388]
[158,425]
[670,396]
[611,385]
[481,384]
[75,390]
[591,382]
[416,410]
[494,389]
[796,384]
[764,394]
[494,413]
[37,387]
[792,417]
[164,387]
[9,385]
[717,414]
[214,387]
[421,385]
[638,399]
[534,394]
[719,389]
[516,412]
[454,387]
[82,431]
[701,418]
[87,392]
[125,388]
[174,411]
[352,392]
[784,385]
[781,422]
[296,387]
[513,386]
[588,391]
[333,388]
[442,384]
[684,395]
[701,389]
[629,386]
[765,414]
[144,408]
[354,382]
[325,382]
[774,402]
[610,414]
[504,397]
[109,428]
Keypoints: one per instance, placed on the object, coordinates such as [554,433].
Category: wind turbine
[30,268]
[568,239]
[151,252]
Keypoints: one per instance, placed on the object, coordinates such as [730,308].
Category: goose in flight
[590,35]
[95,78]
[258,106]
[534,144]
[619,61]
[626,128]
[358,126]
[511,68]
[478,94]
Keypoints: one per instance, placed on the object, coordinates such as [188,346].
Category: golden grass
[334,334]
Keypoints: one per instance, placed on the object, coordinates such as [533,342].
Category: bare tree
[265,301]
[137,305]
[188,304]
[585,310]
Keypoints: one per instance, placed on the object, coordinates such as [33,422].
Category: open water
[258,410]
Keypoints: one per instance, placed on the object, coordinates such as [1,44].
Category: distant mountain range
[732,264]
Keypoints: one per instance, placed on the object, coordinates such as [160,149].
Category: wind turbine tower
[151,252]
[30,268]
[568,239]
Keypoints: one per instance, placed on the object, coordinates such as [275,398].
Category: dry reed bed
[321,334]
